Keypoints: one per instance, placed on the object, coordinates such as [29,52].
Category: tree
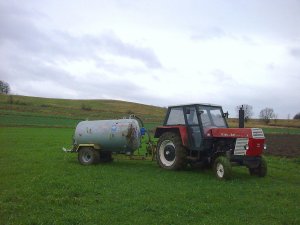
[275,118]
[297,116]
[248,109]
[4,87]
[267,114]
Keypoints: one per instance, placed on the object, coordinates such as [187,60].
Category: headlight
[246,147]
[265,146]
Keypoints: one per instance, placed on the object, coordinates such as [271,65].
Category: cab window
[191,115]
[176,117]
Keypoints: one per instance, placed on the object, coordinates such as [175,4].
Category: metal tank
[121,135]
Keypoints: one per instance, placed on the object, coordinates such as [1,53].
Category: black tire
[222,168]
[88,156]
[171,154]
[261,170]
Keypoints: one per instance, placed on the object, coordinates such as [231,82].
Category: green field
[40,184]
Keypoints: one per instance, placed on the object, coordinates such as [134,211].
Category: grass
[41,121]
[37,120]
[42,185]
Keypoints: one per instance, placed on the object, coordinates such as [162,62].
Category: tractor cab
[193,122]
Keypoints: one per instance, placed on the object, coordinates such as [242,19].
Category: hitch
[67,150]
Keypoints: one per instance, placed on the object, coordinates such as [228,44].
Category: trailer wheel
[88,156]
[222,168]
[261,170]
[171,154]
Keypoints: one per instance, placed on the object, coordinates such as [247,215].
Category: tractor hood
[256,133]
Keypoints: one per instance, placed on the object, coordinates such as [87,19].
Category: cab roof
[196,104]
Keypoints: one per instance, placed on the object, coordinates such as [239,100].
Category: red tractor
[198,134]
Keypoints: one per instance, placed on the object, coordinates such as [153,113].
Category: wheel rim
[220,170]
[86,157]
[167,153]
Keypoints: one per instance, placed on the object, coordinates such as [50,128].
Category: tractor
[198,135]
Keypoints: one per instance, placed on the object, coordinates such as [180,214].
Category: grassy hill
[16,110]
[34,111]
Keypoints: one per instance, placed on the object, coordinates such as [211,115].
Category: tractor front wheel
[171,154]
[222,168]
[88,156]
[261,170]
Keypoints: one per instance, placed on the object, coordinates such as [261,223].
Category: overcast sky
[155,52]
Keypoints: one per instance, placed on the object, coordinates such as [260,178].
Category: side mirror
[225,115]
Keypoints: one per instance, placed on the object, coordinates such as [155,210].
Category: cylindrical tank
[121,135]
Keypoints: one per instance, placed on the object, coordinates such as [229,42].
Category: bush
[297,116]
[11,101]
[130,112]
[45,105]
[85,107]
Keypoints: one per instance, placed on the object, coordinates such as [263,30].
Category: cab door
[194,131]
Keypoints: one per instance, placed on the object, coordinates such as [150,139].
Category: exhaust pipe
[241,117]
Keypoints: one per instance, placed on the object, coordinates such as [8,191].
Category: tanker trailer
[95,141]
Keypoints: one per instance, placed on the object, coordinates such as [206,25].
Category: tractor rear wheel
[261,170]
[88,156]
[171,154]
[222,168]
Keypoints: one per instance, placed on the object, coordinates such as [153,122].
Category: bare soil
[283,145]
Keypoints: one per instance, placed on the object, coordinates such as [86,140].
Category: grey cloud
[17,27]
[271,66]
[29,54]
[85,46]
[116,89]
[50,81]
[114,44]
[209,33]
[248,40]
[20,30]
[40,72]
[295,52]
[27,71]
[214,33]
[221,76]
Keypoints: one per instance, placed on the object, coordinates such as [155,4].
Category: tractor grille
[240,146]
[257,133]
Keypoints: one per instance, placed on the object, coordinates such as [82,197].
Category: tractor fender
[95,146]
[181,130]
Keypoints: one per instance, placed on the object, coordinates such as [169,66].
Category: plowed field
[283,144]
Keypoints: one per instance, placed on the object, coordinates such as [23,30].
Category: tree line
[266,114]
